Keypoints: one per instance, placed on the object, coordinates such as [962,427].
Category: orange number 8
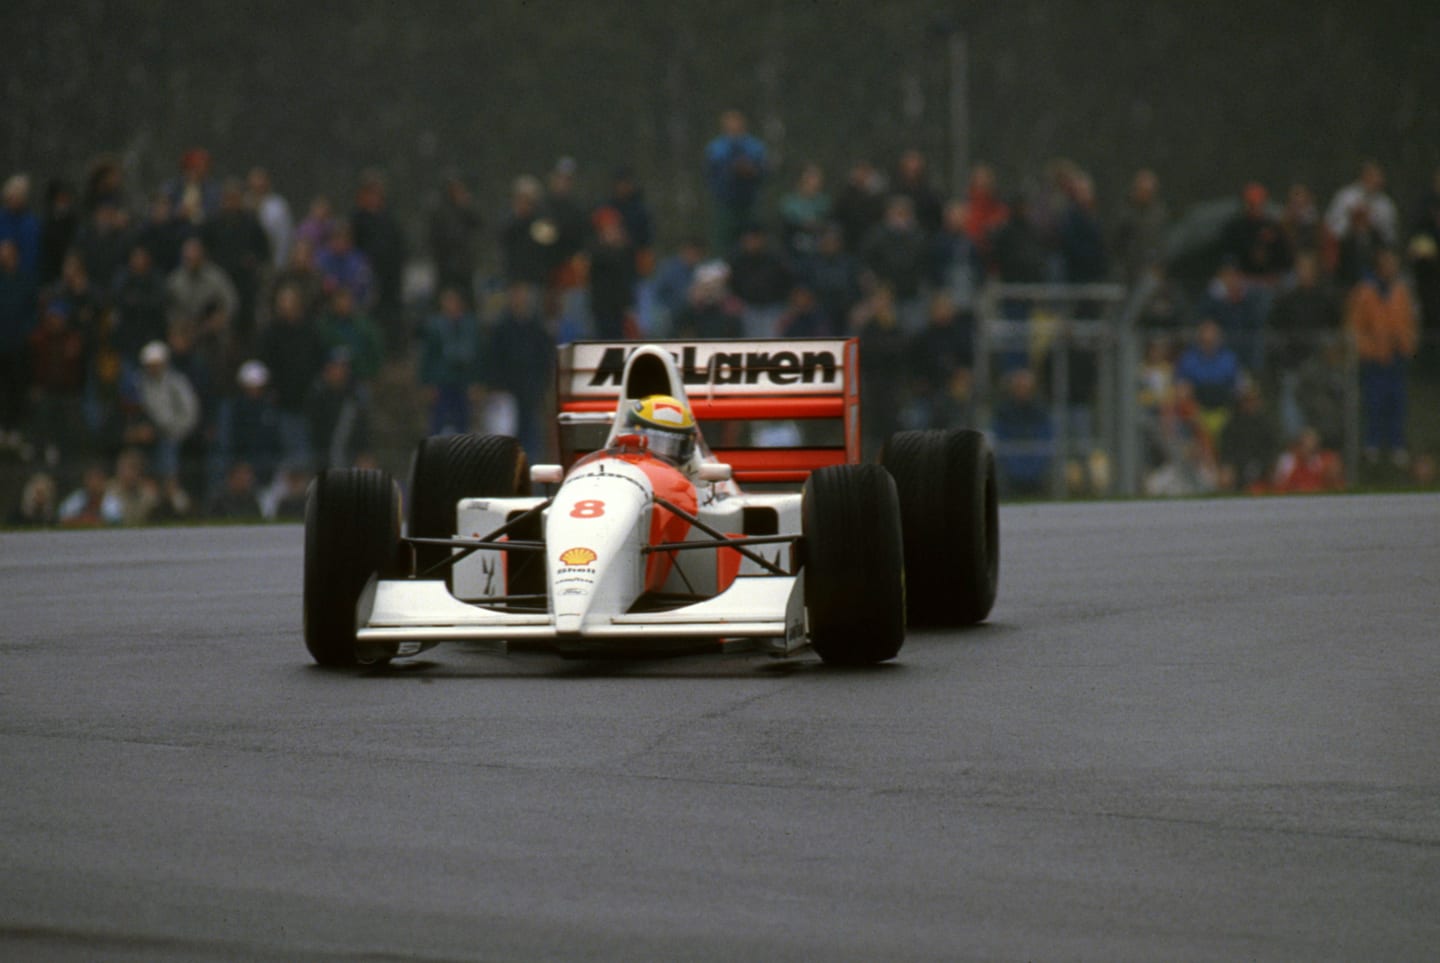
[588,508]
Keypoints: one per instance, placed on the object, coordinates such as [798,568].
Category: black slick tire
[950,516]
[854,576]
[352,532]
[447,468]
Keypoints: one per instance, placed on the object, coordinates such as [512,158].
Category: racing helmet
[665,423]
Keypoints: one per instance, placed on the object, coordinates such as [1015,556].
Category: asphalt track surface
[1192,731]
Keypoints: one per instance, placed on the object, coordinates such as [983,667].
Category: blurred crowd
[203,347]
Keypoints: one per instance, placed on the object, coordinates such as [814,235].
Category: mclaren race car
[644,541]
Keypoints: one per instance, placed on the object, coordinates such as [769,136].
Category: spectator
[248,428]
[318,223]
[104,184]
[273,213]
[761,279]
[57,230]
[343,326]
[804,212]
[135,495]
[1166,307]
[1301,315]
[860,205]
[103,242]
[1424,251]
[57,385]
[1024,437]
[519,364]
[1300,318]
[525,239]
[338,414]
[1250,444]
[163,234]
[876,320]
[897,253]
[804,317]
[199,296]
[612,277]
[1239,308]
[193,195]
[37,507]
[1367,192]
[1082,243]
[1213,373]
[569,225]
[290,494]
[1139,240]
[712,311]
[294,353]
[956,266]
[139,308]
[912,181]
[986,212]
[1187,455]
[1381,317]
[1254,241]
[453,225]
[18,223]
[627,198]
[238,500]
[1017,252]
[1300,220]
[302,272]
[936,353]
[170,407]
[342,265]
[1307,467]
[92,504]
[1322,390]
[86,300]
[1355,253]
[17,320]
[673,278]
[450,364]
[833,274]
[238,245]
[735,169]
[378,236]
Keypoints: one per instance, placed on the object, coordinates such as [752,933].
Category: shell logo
[577,556]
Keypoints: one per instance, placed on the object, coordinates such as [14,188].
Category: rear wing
[774,410]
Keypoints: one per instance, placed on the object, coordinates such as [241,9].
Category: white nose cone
[593,536]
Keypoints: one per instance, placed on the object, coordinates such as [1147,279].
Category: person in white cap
[170,405]
[248,427]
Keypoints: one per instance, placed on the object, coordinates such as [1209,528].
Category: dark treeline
[1210,95]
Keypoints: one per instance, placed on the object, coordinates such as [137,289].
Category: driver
[666,424]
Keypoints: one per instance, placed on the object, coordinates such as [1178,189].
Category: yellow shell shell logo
[577,556]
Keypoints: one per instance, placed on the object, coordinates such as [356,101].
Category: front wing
[767,609]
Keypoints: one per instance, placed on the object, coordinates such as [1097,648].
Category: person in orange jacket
[1381,317]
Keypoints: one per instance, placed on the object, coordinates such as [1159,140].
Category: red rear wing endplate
[801,379]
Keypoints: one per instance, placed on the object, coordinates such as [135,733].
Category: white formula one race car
[646,544]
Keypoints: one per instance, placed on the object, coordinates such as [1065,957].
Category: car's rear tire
[854,558]
[352,532]
[447,468]
[951,520]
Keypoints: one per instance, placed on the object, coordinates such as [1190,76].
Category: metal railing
[1101,320]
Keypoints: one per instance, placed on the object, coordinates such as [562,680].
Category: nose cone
[593,539]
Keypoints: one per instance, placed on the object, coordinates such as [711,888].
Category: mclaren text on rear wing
[773,409]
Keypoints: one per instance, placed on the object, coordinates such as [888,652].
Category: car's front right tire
[352,532]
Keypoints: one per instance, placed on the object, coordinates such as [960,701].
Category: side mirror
[712,471]
[546,474]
